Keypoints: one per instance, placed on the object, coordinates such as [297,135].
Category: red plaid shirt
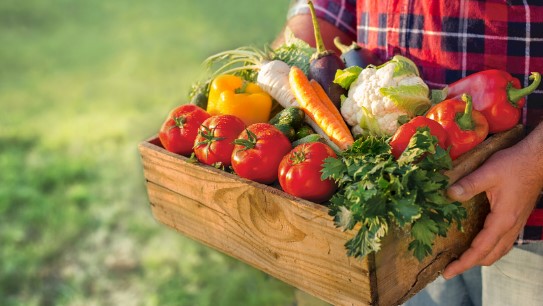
[449,40]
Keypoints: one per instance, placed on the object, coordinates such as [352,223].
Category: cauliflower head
[381,96]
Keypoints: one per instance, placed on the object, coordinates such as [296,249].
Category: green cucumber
[293,116]
[288,130]
[303,131]
[200,100]
[308,139]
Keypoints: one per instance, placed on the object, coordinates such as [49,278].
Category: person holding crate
[449,40]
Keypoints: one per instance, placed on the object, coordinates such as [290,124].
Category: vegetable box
[295,240]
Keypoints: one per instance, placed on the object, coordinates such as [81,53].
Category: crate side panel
[400,275]
[294,241]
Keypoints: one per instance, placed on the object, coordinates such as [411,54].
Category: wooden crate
[295,240]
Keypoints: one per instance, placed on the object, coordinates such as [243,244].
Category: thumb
[471,185]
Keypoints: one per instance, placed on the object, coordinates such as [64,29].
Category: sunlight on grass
[82,84]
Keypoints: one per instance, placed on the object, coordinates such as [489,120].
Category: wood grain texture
[295,240]
[288,238]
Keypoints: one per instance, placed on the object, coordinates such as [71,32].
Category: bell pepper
[465,126]
[231,95]
[402,136]
[497,95]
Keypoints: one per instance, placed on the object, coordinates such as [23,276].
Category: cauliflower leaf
[411,98]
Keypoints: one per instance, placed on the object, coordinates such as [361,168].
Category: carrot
[334,127]
[328,102]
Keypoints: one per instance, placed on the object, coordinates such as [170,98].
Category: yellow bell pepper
[230,94]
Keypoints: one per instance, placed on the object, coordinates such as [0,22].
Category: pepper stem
[321,49]
[243,87]
[515,94]
[465,119]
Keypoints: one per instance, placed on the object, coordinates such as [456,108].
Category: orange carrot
[334,127]
[327,102]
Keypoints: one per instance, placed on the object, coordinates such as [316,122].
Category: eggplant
[324,64]
[354,55]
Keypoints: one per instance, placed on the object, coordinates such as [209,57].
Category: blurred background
[81,84]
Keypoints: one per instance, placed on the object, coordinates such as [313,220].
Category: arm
[302,27]
[512,180]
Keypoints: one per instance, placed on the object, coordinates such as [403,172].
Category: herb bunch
[376,191]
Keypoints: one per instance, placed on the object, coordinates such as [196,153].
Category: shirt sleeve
[341,13]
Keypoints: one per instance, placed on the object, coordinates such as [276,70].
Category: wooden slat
[290,239]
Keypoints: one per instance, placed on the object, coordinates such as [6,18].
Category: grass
[81,84]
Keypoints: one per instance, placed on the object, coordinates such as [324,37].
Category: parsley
[376,191]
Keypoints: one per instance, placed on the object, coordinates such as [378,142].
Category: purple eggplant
[324,64]
[354,55]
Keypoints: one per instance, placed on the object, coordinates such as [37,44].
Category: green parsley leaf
[376,191]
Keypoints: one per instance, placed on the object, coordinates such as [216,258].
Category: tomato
[400,139]
[215,140]
[300,172]
[178,132]
[258,152]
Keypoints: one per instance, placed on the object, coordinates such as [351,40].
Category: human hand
[512,179]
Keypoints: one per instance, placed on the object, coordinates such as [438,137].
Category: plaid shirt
[449,40]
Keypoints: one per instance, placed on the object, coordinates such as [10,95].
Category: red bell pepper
[497,95]
[400,139]
[465,126]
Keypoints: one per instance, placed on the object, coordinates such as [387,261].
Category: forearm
[302,27]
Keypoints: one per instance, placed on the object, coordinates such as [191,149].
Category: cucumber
[200,100]
[314,138]
[308,139]
[288,130]
[303,131]
[198,94]
[293,116]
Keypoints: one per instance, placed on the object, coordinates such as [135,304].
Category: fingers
[469,186]
[493,242]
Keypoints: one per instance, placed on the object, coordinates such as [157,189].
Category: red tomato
[300,172]
[178,132]
[215,140]
[258,152]
[400,139]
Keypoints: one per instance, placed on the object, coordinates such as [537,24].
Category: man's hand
[512,179]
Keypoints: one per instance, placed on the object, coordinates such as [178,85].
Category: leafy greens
[376,191]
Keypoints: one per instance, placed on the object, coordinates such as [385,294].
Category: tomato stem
[249,143]
[179,122]
[209,136]
[298,156]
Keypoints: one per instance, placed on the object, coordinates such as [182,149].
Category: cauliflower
[380,96]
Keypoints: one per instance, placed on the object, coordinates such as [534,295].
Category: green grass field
[81,84]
